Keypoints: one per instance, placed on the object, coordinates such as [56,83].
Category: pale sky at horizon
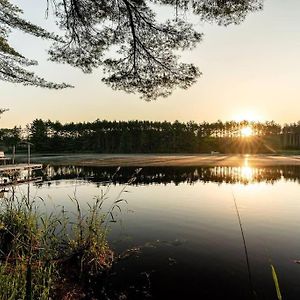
[250,69]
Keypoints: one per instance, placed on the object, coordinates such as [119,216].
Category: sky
[250,71]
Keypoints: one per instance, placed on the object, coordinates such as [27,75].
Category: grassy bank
[52,256]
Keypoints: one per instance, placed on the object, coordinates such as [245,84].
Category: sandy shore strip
[153,160]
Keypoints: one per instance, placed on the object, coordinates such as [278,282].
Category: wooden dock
[16,182]
[19,168]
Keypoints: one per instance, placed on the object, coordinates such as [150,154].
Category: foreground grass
[52,256]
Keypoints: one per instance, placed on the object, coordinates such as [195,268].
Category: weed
[45,256]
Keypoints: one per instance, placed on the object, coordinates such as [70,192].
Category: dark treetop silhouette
[2,110]
[152,137]
[142,50]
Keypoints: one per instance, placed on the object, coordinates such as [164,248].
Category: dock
[19,168]
[16,182]
[11,175]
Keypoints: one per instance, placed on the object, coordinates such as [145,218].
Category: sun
[246,131]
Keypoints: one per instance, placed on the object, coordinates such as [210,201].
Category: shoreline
[164,160]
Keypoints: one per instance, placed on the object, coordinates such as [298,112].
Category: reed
[276,283]
[54,255]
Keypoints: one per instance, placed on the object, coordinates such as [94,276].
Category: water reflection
[215,237]
[245,174]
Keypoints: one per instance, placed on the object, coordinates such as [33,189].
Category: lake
[199,232]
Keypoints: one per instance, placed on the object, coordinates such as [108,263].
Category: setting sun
[246,131]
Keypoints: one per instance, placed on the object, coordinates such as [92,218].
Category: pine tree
[138,53]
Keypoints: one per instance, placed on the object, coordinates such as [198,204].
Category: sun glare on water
[246,131]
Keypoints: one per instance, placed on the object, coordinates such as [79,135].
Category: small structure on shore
[13,173]
[3,158]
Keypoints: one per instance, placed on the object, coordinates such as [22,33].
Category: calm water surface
[185,222]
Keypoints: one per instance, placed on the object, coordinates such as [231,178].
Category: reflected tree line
[103,136]
[176,175]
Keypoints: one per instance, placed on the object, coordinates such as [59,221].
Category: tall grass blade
[245,246]
[275,279]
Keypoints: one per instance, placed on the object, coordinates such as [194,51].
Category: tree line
[104,136]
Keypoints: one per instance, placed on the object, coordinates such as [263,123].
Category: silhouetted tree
[124,37]
[104,136]
[2,110]
[12,63]
[39,134]
[10,137]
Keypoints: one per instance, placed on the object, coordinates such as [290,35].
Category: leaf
[121,200]
[118,208]
[275,279]
[112,216]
